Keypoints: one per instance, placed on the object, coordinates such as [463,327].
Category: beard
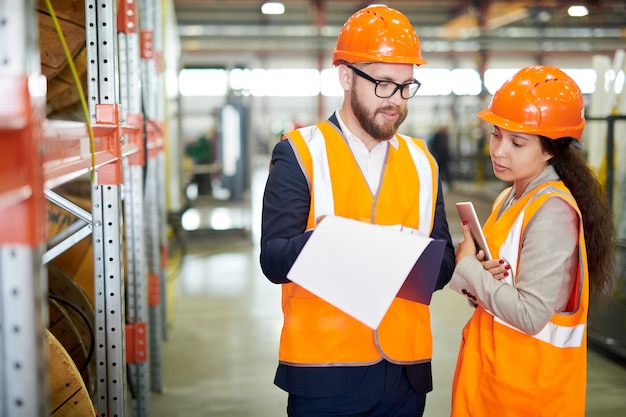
[379,131]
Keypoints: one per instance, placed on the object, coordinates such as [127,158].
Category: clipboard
[416,288]
[360,267]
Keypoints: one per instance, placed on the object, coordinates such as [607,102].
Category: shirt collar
[351,137]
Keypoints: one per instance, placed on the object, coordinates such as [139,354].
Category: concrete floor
[221,353]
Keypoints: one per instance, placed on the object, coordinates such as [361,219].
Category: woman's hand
[467,246]
[498,268]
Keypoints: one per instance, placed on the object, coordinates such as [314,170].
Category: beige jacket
[544,283]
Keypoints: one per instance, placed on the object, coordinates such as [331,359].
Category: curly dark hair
[600,234]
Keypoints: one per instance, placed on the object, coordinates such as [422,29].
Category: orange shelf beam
[22,203]
[68,155]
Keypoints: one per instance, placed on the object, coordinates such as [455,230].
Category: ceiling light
[577,11]
[273,8]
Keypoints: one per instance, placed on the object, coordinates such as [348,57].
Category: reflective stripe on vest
[426,175]
[322,186]
[559,336]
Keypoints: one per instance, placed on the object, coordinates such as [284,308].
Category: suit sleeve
[286,203]
[441,231]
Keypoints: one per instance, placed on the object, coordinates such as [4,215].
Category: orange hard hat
[539,100]
[378,34]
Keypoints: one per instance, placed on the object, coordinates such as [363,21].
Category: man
[355,165]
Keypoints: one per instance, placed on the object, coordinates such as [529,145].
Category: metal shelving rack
[37,155]
[151,47]
[23,279]
[137,326]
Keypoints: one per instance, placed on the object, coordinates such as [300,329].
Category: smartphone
[467,212]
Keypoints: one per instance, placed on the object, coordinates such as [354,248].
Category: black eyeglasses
[386,89]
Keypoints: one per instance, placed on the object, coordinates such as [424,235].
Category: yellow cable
[79,86]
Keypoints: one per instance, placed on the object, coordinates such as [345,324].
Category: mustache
[396,109]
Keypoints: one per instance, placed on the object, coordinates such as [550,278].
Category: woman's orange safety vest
[315,333]
[502,371]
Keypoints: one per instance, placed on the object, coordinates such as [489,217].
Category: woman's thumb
[467,231]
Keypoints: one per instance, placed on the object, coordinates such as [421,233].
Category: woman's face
[516,157]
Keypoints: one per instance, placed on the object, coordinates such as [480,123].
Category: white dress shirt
[370,161]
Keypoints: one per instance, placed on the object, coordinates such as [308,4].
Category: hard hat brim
[354,57]
[575,133]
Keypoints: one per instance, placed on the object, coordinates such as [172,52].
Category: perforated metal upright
[137,328]
[103,89]
[23,280]
[156,249]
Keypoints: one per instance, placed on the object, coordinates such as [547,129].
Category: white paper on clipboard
[467,212]
[360,268]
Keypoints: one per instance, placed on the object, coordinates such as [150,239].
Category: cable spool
[72,314]
[68,394]
[62,95]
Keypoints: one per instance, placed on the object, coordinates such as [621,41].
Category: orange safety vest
[315,333]
[502,371]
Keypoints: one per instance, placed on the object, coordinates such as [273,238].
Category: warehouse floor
[221,350]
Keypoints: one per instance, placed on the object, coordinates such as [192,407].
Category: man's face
[380,117]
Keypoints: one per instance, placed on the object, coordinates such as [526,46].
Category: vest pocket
[496,397]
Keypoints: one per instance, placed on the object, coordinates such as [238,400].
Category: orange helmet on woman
[378,34]
[539,100]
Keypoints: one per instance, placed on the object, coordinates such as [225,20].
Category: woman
[524,349]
